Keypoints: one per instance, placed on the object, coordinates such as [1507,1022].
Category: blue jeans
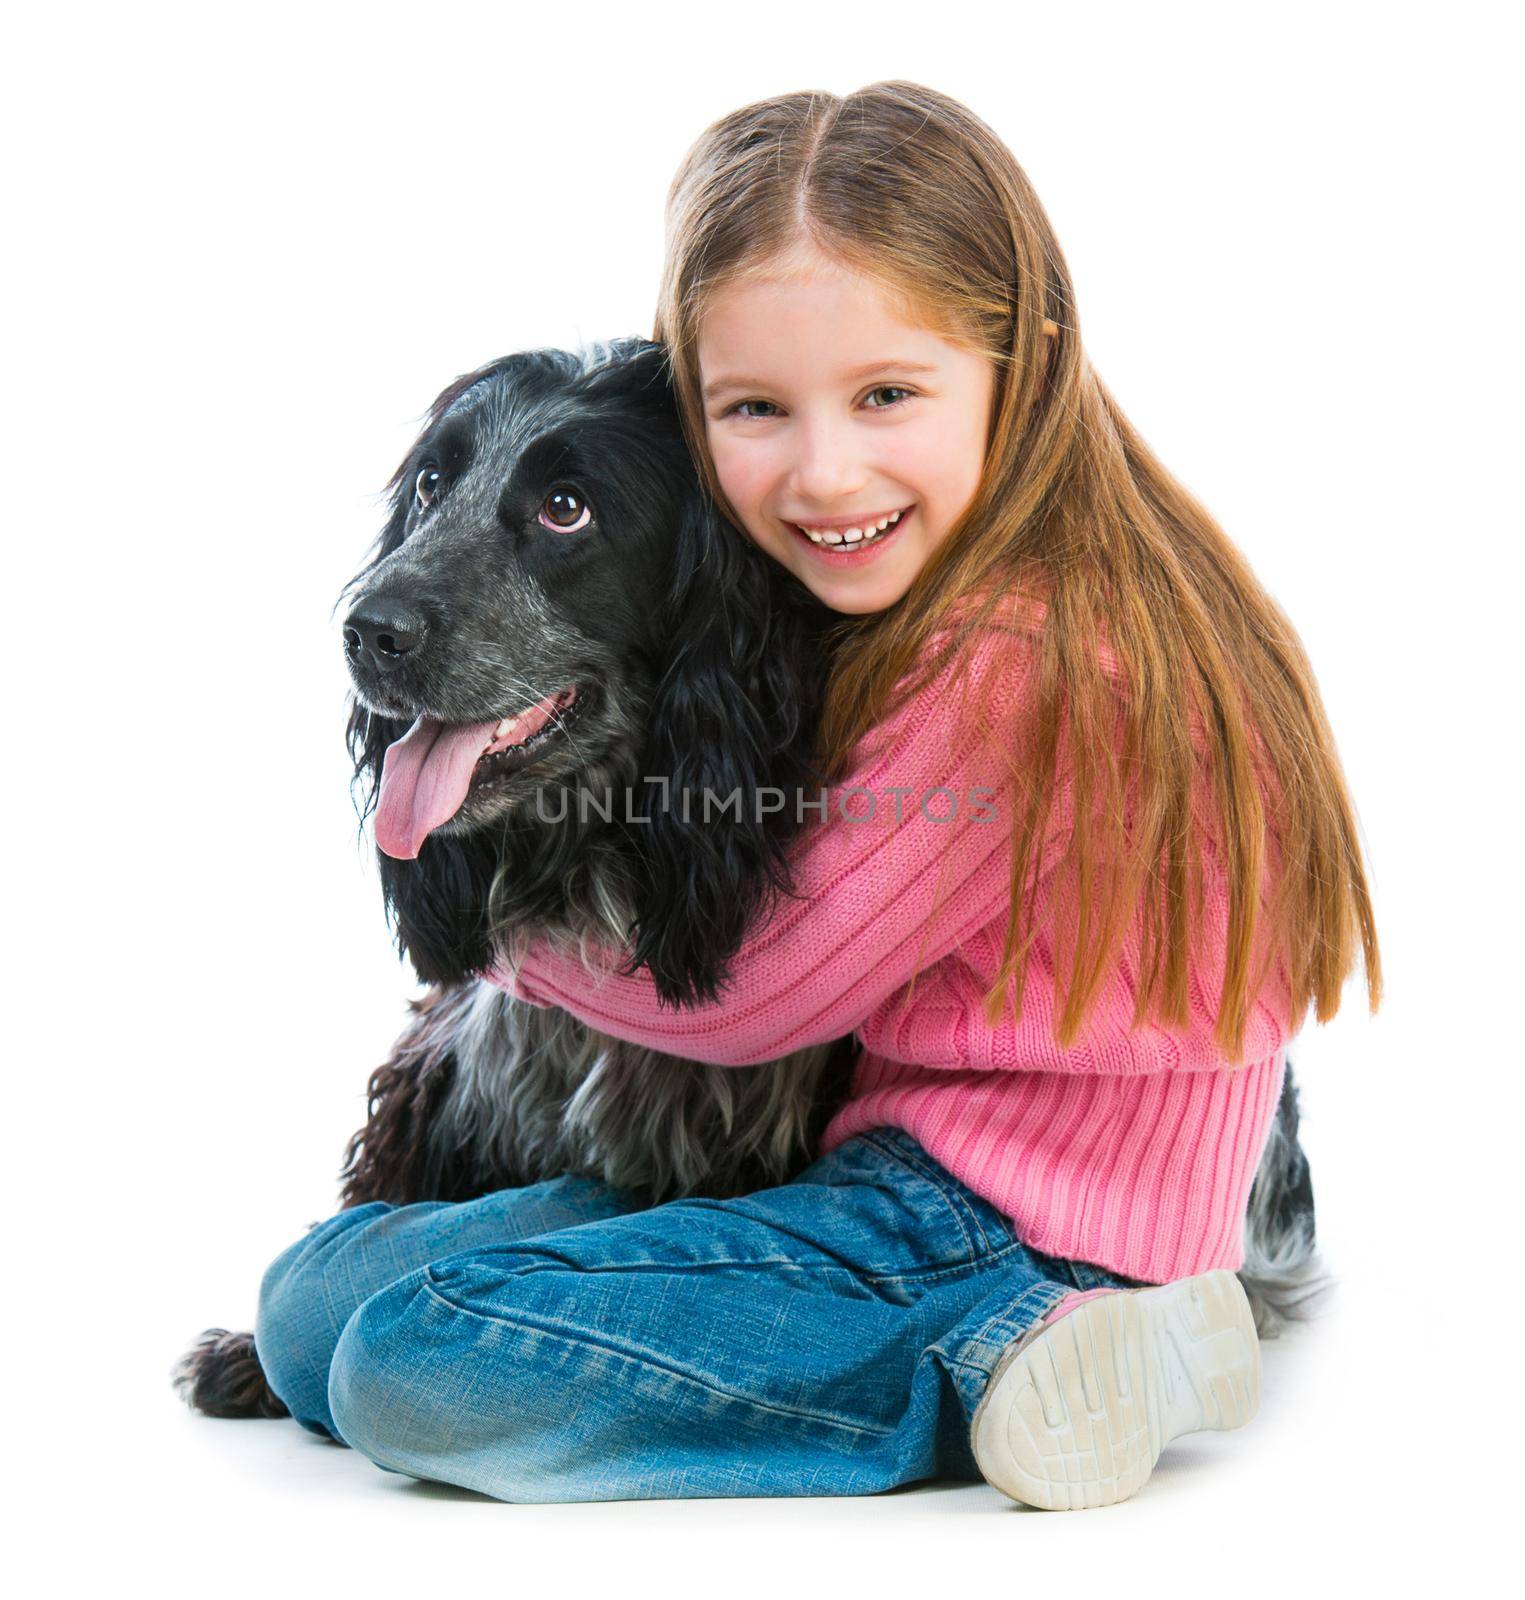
[560,1342]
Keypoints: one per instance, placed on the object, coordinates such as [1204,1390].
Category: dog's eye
[565,510]
[426,487]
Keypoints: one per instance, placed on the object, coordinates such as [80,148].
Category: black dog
[555,609]
[553,620]
[556,589]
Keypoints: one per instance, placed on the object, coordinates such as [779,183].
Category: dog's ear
[733,720]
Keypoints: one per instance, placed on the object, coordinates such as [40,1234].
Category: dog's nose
[383,631]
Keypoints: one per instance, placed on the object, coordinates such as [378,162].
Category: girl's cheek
[740,476]
[723,457]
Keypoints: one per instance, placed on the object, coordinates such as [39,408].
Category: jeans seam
[930,1274]
[940,1179]
[582,1339]
[557,1264]
[992,1258]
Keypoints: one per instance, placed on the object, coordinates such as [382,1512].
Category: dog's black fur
[695,659]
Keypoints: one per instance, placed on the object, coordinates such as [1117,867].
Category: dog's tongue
[426,774]
[424,779]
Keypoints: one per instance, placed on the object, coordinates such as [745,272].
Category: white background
[247,246]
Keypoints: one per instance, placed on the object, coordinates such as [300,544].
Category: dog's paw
[220,1376]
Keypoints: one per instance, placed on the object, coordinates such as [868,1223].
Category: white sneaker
[1078,1410]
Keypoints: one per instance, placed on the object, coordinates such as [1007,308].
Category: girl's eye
[565,510]
[426,487]
[883,388]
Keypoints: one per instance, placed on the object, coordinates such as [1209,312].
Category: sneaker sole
[1076,1415]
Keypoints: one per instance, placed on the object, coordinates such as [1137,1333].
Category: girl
[1092,860]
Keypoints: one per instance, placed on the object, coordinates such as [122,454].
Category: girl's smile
[853,541]
[847,439]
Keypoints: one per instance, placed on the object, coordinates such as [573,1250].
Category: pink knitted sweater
[1133,1148]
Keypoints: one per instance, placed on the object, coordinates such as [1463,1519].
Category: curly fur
[482,1093]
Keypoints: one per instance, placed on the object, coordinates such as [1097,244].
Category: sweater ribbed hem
[1148,1175]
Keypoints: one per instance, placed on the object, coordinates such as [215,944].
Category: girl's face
[825,412]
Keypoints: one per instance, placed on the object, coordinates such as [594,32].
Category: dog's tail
[220,1376]
[1283,1275]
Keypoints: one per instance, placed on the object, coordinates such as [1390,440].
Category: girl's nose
[825,469]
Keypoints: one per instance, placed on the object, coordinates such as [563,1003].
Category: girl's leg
[830,1336]
[309,1291]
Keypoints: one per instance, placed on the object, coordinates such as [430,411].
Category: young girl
[1092,859]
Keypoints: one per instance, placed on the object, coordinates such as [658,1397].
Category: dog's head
[556,636]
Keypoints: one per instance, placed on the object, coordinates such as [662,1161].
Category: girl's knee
[391,1395]
[435,1390]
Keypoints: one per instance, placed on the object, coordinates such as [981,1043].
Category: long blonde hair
[909,187]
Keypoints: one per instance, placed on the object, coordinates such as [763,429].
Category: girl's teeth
[865,535]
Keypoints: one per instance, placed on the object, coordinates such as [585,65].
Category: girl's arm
[864,923]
